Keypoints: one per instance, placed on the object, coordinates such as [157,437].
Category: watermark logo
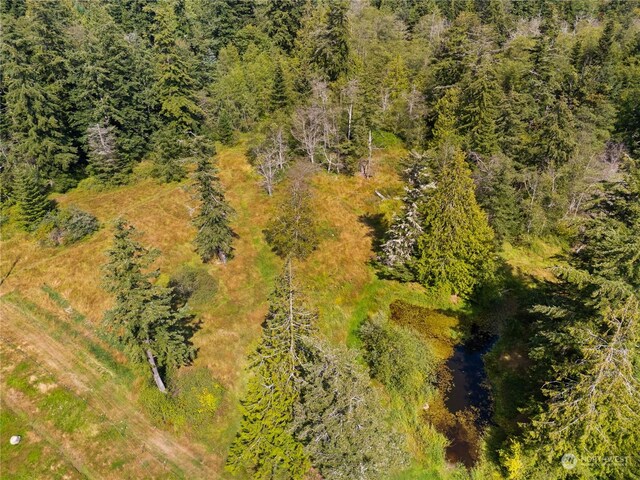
[569,461]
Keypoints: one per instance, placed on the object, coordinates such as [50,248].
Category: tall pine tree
[144,318]
[332,48]
[293,232]
[36,74]
[180,114]
[265,447]
[340,420]
[214,236]
[111,73]
[455,249]
[30,197]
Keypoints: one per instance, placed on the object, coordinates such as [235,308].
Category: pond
[468,398]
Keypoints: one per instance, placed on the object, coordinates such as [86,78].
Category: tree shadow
[377,228]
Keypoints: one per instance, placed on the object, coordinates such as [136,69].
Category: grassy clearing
[33,457]
[60,287]
[63,435]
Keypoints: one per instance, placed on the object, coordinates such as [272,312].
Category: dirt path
[67,361]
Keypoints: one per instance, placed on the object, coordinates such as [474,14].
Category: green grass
[18,378]
[33,457]
[64,409]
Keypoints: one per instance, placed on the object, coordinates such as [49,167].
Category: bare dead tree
[280,146]
[267,165]
[589,174]
[270,157]
[307,129]
[102,143]
[348,97]
[366,164]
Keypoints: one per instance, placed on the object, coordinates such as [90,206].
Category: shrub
[66,226]
[193,400]
[197,395]
[193,284]
[397,358]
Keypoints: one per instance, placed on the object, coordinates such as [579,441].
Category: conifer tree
[445,132]
[214,236]
[265,447]
[175,89]
[134,16]
[479,115]
[339,418]
[500,199]
[283,20]
[400,243]
[104,159]
[30,196]
[293,232]
[37,85]
[609,244]
[588,348]
[455,249]
[225,127]
[219,20]
[111,73]
[332,49]
[144,318]
[279,96]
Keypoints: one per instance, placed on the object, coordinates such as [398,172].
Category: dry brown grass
[337,277]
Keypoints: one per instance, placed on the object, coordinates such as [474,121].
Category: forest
[320,239]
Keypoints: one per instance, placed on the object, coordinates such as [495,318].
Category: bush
[193,400]
[193,284]
[197,395]
[66,226]
[398,359]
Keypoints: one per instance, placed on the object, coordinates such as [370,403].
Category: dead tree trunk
[154,370]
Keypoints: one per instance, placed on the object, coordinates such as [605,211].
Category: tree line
[522,119]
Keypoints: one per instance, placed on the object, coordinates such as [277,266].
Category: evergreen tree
[500,199]
[279,96]
[588,347]
[445,133]
[454,55]
[134,16]
[332,48]
[609,244]
[30,197]
[214,235]
[218,21]
[15,8]
[293,232]
[111,73]
[175,89]
[171,150]
[36,74]
[144,318]
[339,419]
[401,239]
[225,128]
[479,114]
[283,20]
[265,446]
[455,249]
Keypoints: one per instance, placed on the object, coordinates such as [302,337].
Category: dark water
[468,398]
